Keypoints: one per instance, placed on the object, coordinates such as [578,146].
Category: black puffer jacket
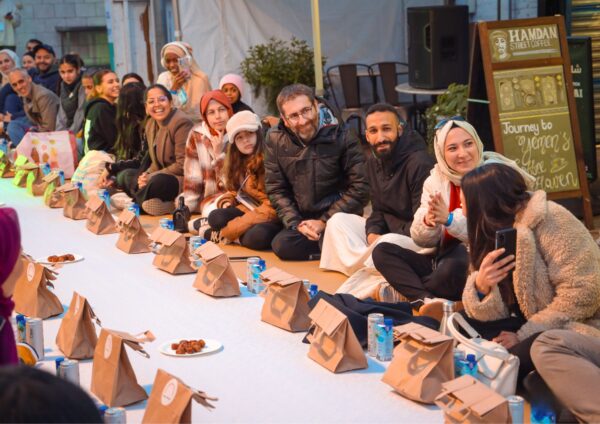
[317,179]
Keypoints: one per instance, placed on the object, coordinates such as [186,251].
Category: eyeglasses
[306,113]
[161,99]
[445,120]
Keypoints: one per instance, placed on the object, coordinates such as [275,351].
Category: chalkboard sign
[527,90]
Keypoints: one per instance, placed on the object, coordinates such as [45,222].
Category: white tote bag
[496,367]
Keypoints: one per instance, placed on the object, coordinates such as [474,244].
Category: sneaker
[212,235]
[120,200]
[194,225]
[389,294]
[157,207]
[434,308]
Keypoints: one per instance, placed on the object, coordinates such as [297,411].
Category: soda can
[34,328]
[135,208]
[385,340]
[516,405]
[115,416]
[250,272]
[21,331]
[58,361]
[373,321]
[69,370]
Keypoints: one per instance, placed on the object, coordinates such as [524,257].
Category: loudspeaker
[438,46]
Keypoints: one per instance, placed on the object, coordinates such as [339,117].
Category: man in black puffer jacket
[314,168]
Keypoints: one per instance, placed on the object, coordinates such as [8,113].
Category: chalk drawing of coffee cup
[557,165]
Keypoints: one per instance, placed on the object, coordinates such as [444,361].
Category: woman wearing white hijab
[439,221]
[8,61]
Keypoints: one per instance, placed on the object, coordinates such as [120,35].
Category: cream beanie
[242,121]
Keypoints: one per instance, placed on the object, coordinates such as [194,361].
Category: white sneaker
[120,200]
[194,225]
[389,294]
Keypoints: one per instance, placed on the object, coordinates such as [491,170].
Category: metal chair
[349,81]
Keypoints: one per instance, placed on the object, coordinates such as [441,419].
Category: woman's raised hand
[437,213]
[493,271]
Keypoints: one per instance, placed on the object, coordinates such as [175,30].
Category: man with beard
[397,166]
[313,169]
[46,71]
[39,103]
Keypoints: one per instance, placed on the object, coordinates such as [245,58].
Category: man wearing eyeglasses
[397,167]
[314,169]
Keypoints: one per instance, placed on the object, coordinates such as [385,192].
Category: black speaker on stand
[438,47]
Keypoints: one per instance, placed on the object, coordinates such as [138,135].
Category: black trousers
[418,276]
[160,186]
[257,237]
[292,245]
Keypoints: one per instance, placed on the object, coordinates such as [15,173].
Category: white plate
[211,345]
[44,260]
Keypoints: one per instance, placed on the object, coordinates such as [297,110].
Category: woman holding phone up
[183,78]
[553,280]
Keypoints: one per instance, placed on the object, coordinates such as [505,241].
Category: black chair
[387,76]
[349,76]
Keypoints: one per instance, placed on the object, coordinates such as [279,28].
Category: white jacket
[426,236]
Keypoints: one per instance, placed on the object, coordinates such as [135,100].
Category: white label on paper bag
[30,271]
[108,346]
[169,392]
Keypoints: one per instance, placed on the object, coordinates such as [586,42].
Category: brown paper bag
[174,254]
[113,378]
[53,196]
[5,165]
[215,277]
[171,400]
[423,360]
[76,336]
[466,400]
[100,220]
[74,202]
[32,296]
[333,343]
[286,301]
[35,182]
[132,238]
[22,170]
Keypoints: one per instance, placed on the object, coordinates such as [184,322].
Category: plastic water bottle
[103,194]
[196,242]
[258,284]
[470,365]
[314,289]
[459,356]
[79,185]
[21,332]
[385,340]
[61,176]
[135,208]
[542,414]
[168,224]
[46,168]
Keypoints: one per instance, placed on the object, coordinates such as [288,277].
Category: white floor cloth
[263,373]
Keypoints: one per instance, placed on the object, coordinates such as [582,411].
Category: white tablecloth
[263,373]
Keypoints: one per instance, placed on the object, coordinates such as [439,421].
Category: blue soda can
[250,262]
[166,223]
[21,332]
[58,361]
[135,208]
[61,176]
[385,340]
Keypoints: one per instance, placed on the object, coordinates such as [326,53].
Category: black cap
[46,47]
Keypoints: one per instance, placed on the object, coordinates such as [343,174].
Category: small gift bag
[35,181]
[100,220]
[286,301]
[215,277]
[423,361]
[466,400]
[333,343]
[171,400]
[20,178]
[74,202]
[76,336]
[132,237]
[32,296]
[113,378]
[53,197]
[174,254]
[5,165]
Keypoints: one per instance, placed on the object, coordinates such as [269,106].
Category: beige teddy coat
[556,277]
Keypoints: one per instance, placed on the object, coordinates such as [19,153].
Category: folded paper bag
[423,360]
[5,165]
[32,295]
[100,221]
[132,237]
[286,301]
[173,255]
[74,202]
[333,343]
[22,168]
[35,181]
[466,400]
[215,277]
[76,336]
[171,400]
[53,197]
[113,379]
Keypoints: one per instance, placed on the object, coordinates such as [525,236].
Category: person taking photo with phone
[551,282]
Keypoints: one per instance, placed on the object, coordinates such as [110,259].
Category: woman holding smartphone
[183,78]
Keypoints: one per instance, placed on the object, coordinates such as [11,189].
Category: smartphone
[507,238]
[184,63]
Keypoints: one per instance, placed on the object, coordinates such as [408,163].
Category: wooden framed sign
[527,82]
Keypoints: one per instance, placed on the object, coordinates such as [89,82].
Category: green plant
[270,67]
[452,103]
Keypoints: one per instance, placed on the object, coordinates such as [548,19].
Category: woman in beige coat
[553,281]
